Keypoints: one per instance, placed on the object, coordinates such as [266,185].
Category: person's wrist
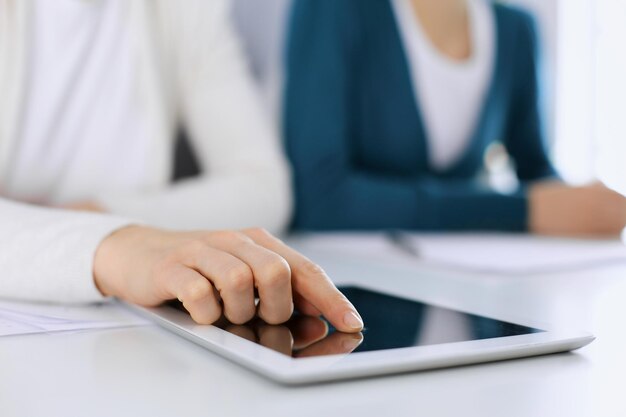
[536,208]
[108,259]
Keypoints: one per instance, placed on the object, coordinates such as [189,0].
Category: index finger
[311,282]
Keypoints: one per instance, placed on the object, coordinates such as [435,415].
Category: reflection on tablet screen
[390,323]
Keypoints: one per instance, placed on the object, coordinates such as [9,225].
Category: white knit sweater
[193,74]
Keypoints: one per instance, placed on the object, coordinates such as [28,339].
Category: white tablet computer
[400,335]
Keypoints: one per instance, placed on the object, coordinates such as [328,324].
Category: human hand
[558,209]
[219,272]
[301,336]
[84,206]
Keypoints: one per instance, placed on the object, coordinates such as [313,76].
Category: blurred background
[584,66]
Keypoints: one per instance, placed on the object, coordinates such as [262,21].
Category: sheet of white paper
[516,253]
[18,318]
[373,246]
[500,253]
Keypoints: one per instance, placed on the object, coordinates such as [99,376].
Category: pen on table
[402,241]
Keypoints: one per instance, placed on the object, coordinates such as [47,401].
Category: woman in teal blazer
[355,132]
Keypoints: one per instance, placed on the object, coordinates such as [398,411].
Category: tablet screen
[390,323]
[393,322]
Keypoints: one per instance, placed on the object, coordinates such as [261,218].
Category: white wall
[584,42]
[575,118]
[610,92]
[591,89]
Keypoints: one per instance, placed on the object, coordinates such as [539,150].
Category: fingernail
[352,343]
[353,321]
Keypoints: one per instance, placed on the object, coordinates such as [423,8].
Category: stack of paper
[25,318]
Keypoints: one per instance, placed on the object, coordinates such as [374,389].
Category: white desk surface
[149,372]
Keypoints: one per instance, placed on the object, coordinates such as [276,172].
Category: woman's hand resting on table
[219,272]
[592,210]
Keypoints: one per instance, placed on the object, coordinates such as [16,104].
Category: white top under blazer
[450,93]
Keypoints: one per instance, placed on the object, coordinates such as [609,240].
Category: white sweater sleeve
[47,254]
[246,179]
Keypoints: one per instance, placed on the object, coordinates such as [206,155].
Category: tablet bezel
[287,370]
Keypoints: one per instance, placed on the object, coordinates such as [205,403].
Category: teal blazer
[356,137]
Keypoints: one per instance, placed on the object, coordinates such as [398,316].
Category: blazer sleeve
[330,192]
[47,254]
[525,135]
[245,179]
